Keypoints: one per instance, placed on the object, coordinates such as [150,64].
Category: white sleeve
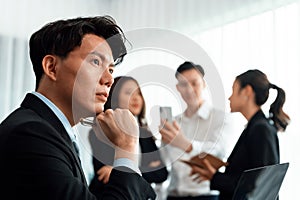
[219,136]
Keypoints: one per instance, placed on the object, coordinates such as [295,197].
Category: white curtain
[16,73]
[270,42]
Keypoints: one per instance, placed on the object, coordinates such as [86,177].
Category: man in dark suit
[73,61]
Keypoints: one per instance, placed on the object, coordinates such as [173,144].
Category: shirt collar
[204,110]
[62,118]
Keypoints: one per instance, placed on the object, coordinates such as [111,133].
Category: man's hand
[121,129]
[104,173]
[171,134]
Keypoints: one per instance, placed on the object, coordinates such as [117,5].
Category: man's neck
[60,105]
[192,109]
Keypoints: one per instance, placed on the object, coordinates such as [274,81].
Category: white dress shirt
[206,130]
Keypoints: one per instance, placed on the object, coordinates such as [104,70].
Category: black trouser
[202,197]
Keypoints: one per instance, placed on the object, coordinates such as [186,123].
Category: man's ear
[204,83]
[49,65]
[177,87]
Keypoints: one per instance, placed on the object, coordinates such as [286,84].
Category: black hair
[261,85]
[187,65]
[114,93]
[62,36]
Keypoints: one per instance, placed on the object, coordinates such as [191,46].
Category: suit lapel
[34,103]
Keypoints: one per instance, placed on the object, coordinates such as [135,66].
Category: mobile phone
[166,113]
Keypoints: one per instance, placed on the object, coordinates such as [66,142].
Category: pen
[87,122]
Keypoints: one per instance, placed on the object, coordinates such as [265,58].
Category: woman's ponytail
[280,118]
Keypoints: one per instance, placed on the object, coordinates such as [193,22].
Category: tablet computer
[261,183]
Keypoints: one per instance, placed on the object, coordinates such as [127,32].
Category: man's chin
[99,109]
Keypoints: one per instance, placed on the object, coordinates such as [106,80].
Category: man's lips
[102,96]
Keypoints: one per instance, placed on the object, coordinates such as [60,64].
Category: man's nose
[106,78]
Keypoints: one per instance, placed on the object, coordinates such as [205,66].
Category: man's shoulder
[218,110]
[24,122]
[20,117]
[215,113]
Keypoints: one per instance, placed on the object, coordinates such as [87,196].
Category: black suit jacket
[257,146]
[38,161]
[104,155]
[151,153]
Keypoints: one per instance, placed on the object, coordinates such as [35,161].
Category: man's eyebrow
[103,58]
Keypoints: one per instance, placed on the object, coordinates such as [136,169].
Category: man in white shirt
[200,128]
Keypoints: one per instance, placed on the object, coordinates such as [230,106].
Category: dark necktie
[76,147]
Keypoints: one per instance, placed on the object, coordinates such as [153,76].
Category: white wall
[22,18]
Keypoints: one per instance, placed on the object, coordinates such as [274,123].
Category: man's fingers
[166,125]
[106,119]
[106,129]
[126,122]
[163,132]
[166,135]
[176,125]
[120,127]
[100,130]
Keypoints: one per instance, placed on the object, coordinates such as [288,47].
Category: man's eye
[111,71]
[96,62]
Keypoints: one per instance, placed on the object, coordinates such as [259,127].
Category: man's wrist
[131,153]
[186,146]
[125,162]
[189,149]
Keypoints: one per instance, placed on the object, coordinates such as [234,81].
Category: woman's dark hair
[114,93]
[261,85]
[62,36]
